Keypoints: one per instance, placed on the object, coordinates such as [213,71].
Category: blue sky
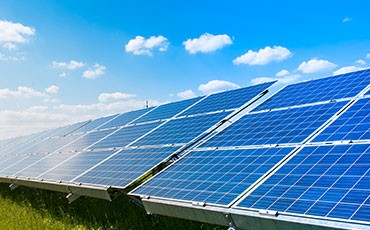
[65,61]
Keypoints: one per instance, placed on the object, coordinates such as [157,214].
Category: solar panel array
[117,150]
[273,157]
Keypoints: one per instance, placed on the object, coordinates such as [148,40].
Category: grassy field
[27,208]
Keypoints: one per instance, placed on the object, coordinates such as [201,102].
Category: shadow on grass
[93,213]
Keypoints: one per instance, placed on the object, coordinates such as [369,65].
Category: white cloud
[347,69]
[207,43]
[263,56]
[286,79]
[316,65]
[104,97]
[217,86]
[95,72]
[67,65]
[361,62]
[11,33]
[53,89]
[346,19]
[17,57]
[368,56]
[63,74]
[282,73]
[22,91]
[186,94]
[142,46]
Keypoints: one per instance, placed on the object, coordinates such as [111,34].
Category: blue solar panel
[353,124]
[275,127]
[181,130]
[167,110]
[228,100]
[94,124]
[19,163]
[330,88]
[212,176]
[87,140]
[74,165]
[126,166]
[124,118]
[326,181]
[125,136]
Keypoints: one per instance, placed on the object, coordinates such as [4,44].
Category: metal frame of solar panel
[233,214]
[48,170]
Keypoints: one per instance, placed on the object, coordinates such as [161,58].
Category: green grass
[27,208]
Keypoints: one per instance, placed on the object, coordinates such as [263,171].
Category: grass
[27,208]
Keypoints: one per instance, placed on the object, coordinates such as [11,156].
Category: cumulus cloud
[282,73]
[63,74]
[22,91]
[12,33]
[207,43]
[361,62]
[285,79]
[217,86]
[17,57]
[53,89]
[96,71]
[263,56]
[316,65]
[104,97]
[346,19]
[186,94]
[67,65]
[368,56]
[142,46]
[347,69]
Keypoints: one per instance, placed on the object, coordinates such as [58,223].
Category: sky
[67,61]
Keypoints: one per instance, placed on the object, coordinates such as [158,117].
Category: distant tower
[146,104]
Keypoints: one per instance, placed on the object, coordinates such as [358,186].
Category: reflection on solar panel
[125,136]
[276,127]
[213,176]
[181,130]
[328,181]
[124,118]
[94,124]
[126,166]
[330,88]
[227,100]
[167,110]
[354,124]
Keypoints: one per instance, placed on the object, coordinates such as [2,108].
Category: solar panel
[181,130]
[125,136]
[95,124]
[74,165]
[212,176]
[353,124]
[19,163]
[167,110]
[228,100]
[330,88]
[326,181]
[275,127]
[126,166]
[125,118]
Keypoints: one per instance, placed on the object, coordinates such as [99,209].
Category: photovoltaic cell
[76,165]
[228,100]
[181,130]
[167,110]
[325,181]
[212,176]
[87,140]
[124,118]
[94,124]
[125,136]
[275,127]
[19,163]
[330,88]
[353,124]
[126,166]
